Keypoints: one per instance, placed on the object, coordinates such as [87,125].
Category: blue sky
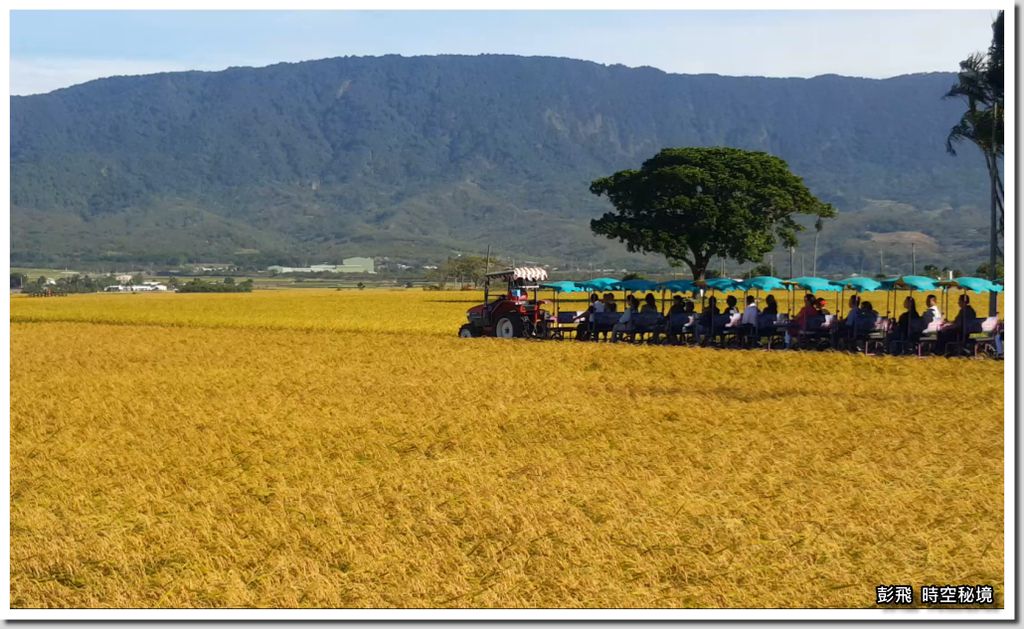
[53,49]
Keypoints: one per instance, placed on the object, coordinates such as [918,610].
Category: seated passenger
[678,307]
[609,303]
[708,319]
[809,310]
[931,313]
[750,312]
[959,328]
[819,304]
[770,306]
[623,326]
[851,317]
[802,318]
[650,306]
[903,330]
[730,307]
[596,306]
[709,313]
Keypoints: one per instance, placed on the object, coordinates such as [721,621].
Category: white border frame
[1010,437]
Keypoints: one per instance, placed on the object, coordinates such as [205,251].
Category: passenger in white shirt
[596,305]
[750,312]
[632,304]
[932,314]
[583,330]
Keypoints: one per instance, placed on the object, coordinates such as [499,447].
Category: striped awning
[532,273]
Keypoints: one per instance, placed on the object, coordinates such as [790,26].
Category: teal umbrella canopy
[815,284]
[723,284]
[975,284]
[635,285]
[762,283]
[679,286]
[599,284]
[860,284]
[562,287]
[909,282]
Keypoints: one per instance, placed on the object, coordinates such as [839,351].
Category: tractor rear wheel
[509,328]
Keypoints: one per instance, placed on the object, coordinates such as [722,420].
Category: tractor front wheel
[467,331]
[509,328]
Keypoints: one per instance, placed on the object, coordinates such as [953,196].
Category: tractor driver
[517,292]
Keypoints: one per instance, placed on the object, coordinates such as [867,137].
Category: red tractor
[513,314]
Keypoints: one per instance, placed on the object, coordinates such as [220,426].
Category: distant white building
[349,265]
[148,287]
[124,279]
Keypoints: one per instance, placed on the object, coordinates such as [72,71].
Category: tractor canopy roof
[532,273]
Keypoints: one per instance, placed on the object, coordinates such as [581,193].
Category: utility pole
[487,262]
[723,267]
[993,173]
[802,265]
[791,252]
[913,257]
[881,263]
[771,263]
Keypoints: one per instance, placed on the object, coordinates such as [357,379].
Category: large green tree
[980,85]
[693,204]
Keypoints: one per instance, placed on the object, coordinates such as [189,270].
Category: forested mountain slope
[415,157]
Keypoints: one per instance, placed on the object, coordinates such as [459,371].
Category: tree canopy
[980,84]
[694,204]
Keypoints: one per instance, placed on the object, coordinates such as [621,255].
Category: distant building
[124,279]
[354,263]
[148,287]
[349,265]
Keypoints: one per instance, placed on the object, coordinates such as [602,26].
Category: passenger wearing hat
[819,305]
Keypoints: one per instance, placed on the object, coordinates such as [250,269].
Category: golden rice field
[345,449]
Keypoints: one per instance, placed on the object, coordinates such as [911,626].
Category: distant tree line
[73,284]
[464,270]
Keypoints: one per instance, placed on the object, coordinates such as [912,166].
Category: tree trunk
[699,266]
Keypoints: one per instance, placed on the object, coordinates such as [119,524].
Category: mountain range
[414,158]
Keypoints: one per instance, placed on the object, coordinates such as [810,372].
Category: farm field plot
[345,449]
